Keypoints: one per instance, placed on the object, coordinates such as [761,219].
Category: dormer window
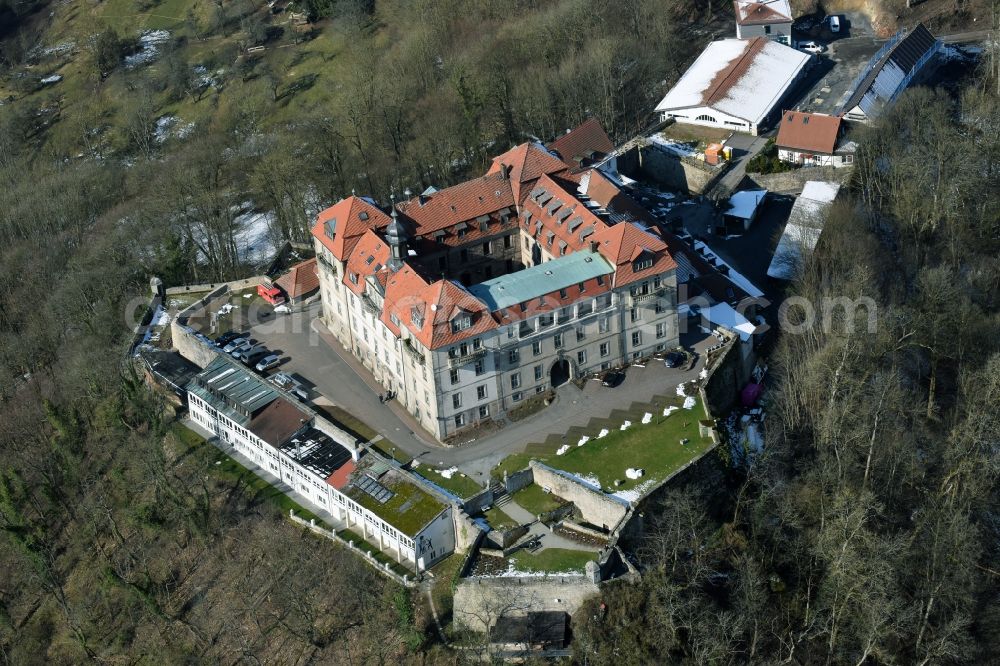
[330,228]
[353,278]
[460,323]
[363,215]
[644,261]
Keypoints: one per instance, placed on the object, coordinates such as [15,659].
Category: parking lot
[325,369]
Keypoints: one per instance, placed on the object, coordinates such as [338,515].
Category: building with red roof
[813,139]
[300,282]
[468,300]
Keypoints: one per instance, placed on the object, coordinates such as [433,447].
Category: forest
[866,534]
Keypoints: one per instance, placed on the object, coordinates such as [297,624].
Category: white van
[834,24]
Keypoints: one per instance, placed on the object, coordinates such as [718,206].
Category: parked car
[613,378]
[268,362]
[282,309]
[252,356]
[674,359]
[246,345]
[811,47]
[226,338]
[233,344]
[834,22]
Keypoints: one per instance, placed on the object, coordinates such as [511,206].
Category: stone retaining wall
[595,507]
[481,601]
[793,181]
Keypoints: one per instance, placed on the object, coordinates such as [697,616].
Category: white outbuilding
[735,84]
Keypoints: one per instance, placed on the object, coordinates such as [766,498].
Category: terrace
[408,509]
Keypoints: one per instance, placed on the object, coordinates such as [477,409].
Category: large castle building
[466,301]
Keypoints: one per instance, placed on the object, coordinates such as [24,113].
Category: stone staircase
[500,495]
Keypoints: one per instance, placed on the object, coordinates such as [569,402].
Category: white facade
[418,551]
[803,158]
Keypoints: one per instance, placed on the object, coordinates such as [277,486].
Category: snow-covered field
[149,49]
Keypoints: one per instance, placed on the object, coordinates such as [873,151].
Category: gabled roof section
[583,144]
[445,300]
[341,225]
[762,12]
[541,217]
[404,300]
[742,78]
[810,132]
[276,423]
[525,164]
[300,280]
[457,204]
[370,255]
[624,243]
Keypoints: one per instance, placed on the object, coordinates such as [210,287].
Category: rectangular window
[538,372]
[515,380]
[545,320]
[536,347]
[514,355]
[486,248]
[540,388]
[481,392]
[484,411]
[454,375]
[636,314]
[459,420]
[558,340]
[456,400]
[508,241]
[477,344]
[516,397]
[637,338]
[581,333]
[603,324]
[661,331]
[480,367]
[464,254]
[581,357]
[605,349]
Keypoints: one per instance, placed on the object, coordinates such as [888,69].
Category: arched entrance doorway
[559,374]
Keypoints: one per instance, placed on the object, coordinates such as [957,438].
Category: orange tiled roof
[810,132]
[349,219]
[340,478]
[571,222]
[623,243]
[301,279]
[369,256]
[526,163]
[461,203]
[584,142]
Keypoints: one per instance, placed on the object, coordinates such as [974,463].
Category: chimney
[593,246]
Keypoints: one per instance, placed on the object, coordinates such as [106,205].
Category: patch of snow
[744,204]
[689,402]
[635,494]
[226,309]
[160,318]
[673,147]
[703,374]
[626,425]
[603,433]
[646,418]
[562,449]
[254,235]
[583,440]
[448,473]
[669,410]
[680,389]
[54,78]
[61,48]
[634,474]
[588,480]
[149,50]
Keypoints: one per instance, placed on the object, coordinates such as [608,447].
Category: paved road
[330,371]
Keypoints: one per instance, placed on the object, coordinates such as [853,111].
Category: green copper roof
[509,290]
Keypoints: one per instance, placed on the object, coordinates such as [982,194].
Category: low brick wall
[235,285]
[520,479]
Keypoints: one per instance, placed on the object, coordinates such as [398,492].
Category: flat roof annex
[509,290]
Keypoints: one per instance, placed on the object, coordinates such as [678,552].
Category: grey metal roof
[509,290]
[888,72]
[225,381]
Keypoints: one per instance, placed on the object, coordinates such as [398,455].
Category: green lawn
[498,520]
[227,469]
[409,508]
[552,560]
[459,484]
[654,447]
[536,500]
[348,421]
